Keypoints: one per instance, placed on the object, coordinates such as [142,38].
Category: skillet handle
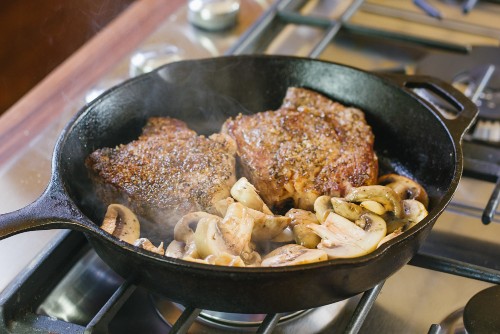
[466,111]
[52,210]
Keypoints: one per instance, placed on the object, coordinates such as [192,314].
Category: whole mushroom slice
[293,254]
[341,238]
[122,223]
[302,234]
[405,187]
[243,191]
[146,244]
[381,194]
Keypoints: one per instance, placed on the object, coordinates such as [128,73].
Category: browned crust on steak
[309,147]
[168,171]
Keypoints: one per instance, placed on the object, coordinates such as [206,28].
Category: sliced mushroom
[183,230]
[346,209]
[267,227]
[244,192]
[293,254]
[414,211]
[223,259]
[341,238]
[303,235]
[183,246]
[390,236]
[381,194]
[405,187]
[374,207]
[176,249]
[284,237]
[122,223]
[232,234]
[146,244]
[208,239]
[226,259]
[323,207]
[222,205]
[236,228]
[394,224]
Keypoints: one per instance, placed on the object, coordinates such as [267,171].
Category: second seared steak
[310,146]
[167,172]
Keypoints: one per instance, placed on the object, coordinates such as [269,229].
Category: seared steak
[167,172]
[310,146]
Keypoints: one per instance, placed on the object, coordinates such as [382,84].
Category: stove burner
[480,315]
[311,321]
[481,312]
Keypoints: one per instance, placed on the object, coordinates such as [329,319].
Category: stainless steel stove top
[380,36]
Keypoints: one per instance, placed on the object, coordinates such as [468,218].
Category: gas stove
[66,288]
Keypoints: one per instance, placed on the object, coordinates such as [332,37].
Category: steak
[167,172]
[310,146]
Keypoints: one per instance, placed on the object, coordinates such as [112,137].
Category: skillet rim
[163,260]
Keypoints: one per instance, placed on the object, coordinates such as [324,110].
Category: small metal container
[213,15]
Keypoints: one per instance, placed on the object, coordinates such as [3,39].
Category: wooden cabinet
[37,36]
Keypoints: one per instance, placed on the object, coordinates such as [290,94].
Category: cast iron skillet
[411,138]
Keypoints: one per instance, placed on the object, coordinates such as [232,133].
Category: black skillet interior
[410,139]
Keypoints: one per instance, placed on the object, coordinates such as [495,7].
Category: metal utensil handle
[466,109]
[491,206]
[52,210]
